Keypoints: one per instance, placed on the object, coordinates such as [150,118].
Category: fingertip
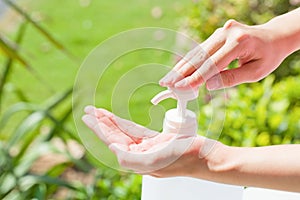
[98,112]
[88,120]
[83,118]
[165,81]
[162,83]
[170,79]
[89,109]
[162,80]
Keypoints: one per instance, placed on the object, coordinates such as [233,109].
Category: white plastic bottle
[183,121]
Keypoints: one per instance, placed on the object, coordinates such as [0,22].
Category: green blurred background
[42,45]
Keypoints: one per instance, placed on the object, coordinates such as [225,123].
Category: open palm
[137,148]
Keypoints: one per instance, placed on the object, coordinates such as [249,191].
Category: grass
[81,29]
[80,26]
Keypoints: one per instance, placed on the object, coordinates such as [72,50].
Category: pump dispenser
[180,120]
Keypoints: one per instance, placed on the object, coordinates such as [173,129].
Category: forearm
[275,167]
[286,29]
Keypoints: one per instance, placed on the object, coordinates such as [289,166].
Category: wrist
[221,159]
[285,31]
[214,160]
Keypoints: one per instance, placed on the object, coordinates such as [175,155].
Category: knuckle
[230,78]
[238,33]
[196,76]
[190,54]
[230,23]
[195,79]
[219,30]
[241,35]
[256,75]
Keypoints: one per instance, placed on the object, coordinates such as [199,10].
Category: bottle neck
[174,123]
[181,107]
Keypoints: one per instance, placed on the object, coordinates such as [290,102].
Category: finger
[128,127]
[106,130]
[194,58]
[97,112]
[174,75]
[134,130]
[186,69]
[204,51]
[94,124]
[212,66]
[229,78]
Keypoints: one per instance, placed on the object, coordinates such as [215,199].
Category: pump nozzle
[162,96]
[182,96]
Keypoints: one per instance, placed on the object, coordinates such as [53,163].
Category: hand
[145,151]
[257,49]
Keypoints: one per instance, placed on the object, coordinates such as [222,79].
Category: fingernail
[165,80]
[214,83]
[181,84]
[170,78]
[162,82]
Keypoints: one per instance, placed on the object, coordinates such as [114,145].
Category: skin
[164,155]
[259,50]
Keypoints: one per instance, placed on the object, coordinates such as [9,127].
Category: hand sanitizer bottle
[183,121]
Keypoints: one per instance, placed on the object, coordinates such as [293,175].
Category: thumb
[232,77]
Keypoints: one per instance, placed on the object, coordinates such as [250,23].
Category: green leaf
[27,125]
[57,99]
[40,29]
[10,182]
[13,195]
[58,169]
[29,180]
[59,124]
[41,192]
[9,62]
[11,51]
[22,106]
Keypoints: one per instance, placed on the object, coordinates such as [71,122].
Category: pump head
[182,97]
